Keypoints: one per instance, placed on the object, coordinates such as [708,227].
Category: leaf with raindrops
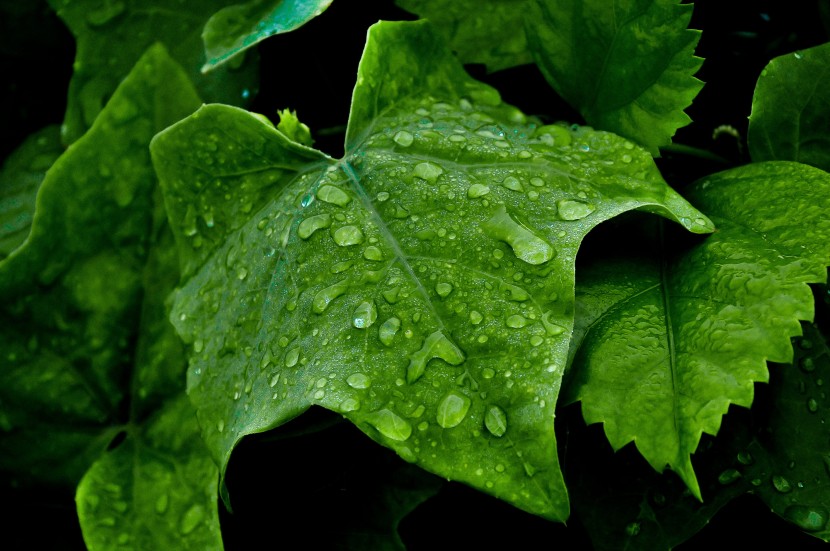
[670,336]
[91,379]
[422,286]
[237,27]
[112,35]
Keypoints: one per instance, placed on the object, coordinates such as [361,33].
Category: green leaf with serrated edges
[627,66]
[237,27]
[87,349]
[678,336]
[479,31]
[20,178]
[156,490]
[790,114]
[422,286]
[112,34]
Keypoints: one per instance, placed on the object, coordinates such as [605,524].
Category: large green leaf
[790,114]
[112,34]
[479,31]
[237,27]
[20,179]
[87,349]
[422,286]
[673,338]
[626,66]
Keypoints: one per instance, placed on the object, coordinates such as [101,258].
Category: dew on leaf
[443,289]
[106,13]
[428,171]
[403,138]
[477,190]
[388,330]
[812,405]
[809,519]
[292,357]
[373,253]
[161,503]
[324,296]
[632,529]
[349,404]
[346,236]
[364,315]
[191,519]
[496,421]
[552,329]
[745,458]
[475,317]
[512,183]
[334,195]
[526,245]
[729,476]
[781,484]
[313,223]
[359,381]
[436,345]
[453,409]
[569,209]
[516,321]
[390,425]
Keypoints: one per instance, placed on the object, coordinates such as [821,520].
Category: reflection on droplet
[364,315]
[452,409]
[526,245]
[403,138]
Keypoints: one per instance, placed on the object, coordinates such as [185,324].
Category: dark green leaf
[111,35]
[627,67]
[237,27]
[20,179]
[790,109]
[674,339]
[422,286]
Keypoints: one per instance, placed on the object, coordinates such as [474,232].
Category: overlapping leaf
[112,34]
[87,351]
[675,338]
[626,66]
[237,27]
[422,286]
[790,114]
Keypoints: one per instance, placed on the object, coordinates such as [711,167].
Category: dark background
[284,499]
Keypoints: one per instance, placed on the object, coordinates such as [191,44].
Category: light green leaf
[237,27]
[412,286]
[627,66]
[677,337]
[156,490]
[111,36]
[790,114]
[20,178]
[479,31]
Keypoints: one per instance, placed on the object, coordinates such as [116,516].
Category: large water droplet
[496,421]
[359,381]
[781,484]
[364,315]
[389,424]
[292,357]
[312,224]
[324,296]
[443,289]
[334,195]
[476,317]
[191,519]
[526,245]
[436,345]
[452,409]
[573,210]
[551,328]
[477,190]
[348,235]
[161,503]
[810,519]
[373,253]
[516,321]
[403,138]
[729,476]
[388,330]
[106,13]
[428,171]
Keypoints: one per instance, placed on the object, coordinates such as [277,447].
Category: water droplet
[573,210]
[388,330]
[512,183]
[452,409]
[306,200]
[496,421]
[443,289]
[436,345]
[475,317]
[428,171]
[390,425]
[359,381]
[812,405]
[191,519]
[781,484]
[626,158]
[477,190]
[349,404]
[745,458]
[324,296]
[312,224]
[403,138]
[364,315]
[516,321]
[551,328]
[334,195]
[373,253]
[632,529]
[106,13]
[274,380]
[198,345]
[526,245]
[729,476]
[348,235]
[292,357]
[161,504]
[809,519]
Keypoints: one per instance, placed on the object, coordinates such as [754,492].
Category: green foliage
[181,278]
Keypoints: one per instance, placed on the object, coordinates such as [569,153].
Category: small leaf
[237,27]
[790,114]
[675,338]
[471,292]
[104,57]
[627,67]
